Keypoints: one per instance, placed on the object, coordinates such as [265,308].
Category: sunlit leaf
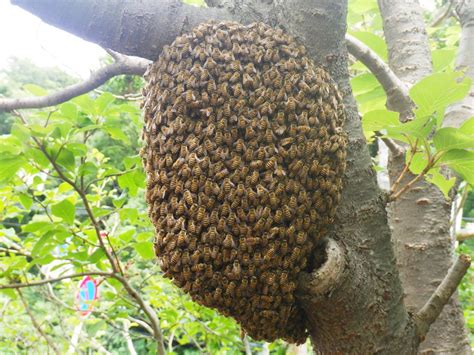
[461,161]
[35,89]
[65,210]
[452,138]
[145,250]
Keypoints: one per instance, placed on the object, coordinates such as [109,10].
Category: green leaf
[420,128]
[436,178]
[9,165]
[88,168]
[468,127]
[38,249]
[374,42]
[127,235]
[363,83]
[64,210]
[378,120]
[96,256]
[127,181]
[78,149]
[25,200]
[10,144]
[145,250]
[462,162]
[452,138]
[117,133]
[442,58]
[438,91]
[103,102]
[68,110]
[37,227]
[66,159]
[418,162]
[35,89]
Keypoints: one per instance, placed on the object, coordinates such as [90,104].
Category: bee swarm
[244,158]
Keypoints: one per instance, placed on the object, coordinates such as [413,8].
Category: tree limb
[432,309]
[138,28]
[396,90]
[56,279]
[122,65]
[36,324]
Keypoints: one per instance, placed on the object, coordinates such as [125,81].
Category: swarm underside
[244,158]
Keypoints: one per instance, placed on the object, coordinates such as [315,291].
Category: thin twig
[405,168]
[55,279]
[444,13]
[432,309]
[122,65]
[36,324]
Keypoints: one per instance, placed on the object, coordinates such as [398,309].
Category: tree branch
[36,324]
[396,90]
[138,28]
[56,279]
[432,309]
[122,65]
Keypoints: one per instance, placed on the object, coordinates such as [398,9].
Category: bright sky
[24,35]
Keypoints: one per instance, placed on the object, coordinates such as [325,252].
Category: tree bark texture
[361,309]
[420,218]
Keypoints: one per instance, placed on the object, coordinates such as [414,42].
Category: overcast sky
[24,35]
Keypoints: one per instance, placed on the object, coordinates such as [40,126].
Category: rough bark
[420,218]
[361,309]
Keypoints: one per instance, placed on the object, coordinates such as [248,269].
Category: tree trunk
[354,301]
[420,218]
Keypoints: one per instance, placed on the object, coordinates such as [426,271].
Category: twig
[36,324]
[126,335]
[155,322]
[55,279]
[462,236]
[248,351]
[391,145]
[396,90]
[442,14]
[405,168]
[142,323]
[122,65]
[432,309]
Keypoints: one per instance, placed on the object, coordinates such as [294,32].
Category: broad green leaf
[442,58]
[127,181]
[462,162]
[103,102]
[37,227]
[374,42]
[418,162]
[436,178]
[78,149]
[35,89]
[378,120]
[127,235]
[65,210]
[88,168]
[145,250]
[452,138]
[420,128]
[9,165]
[96,256]
[38,249]
[66,159]
[68,110]
[363,83]
[438,91]
[10,144]
[117,133]
[468,127]
[85,103]
[25,200]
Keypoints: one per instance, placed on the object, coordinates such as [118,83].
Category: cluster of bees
[244,158]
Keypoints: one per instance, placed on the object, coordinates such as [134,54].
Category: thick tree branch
[56,279]
[122,65]
[432,309]
[397,92]
[138,28]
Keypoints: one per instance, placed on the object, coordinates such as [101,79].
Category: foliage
[49,162]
